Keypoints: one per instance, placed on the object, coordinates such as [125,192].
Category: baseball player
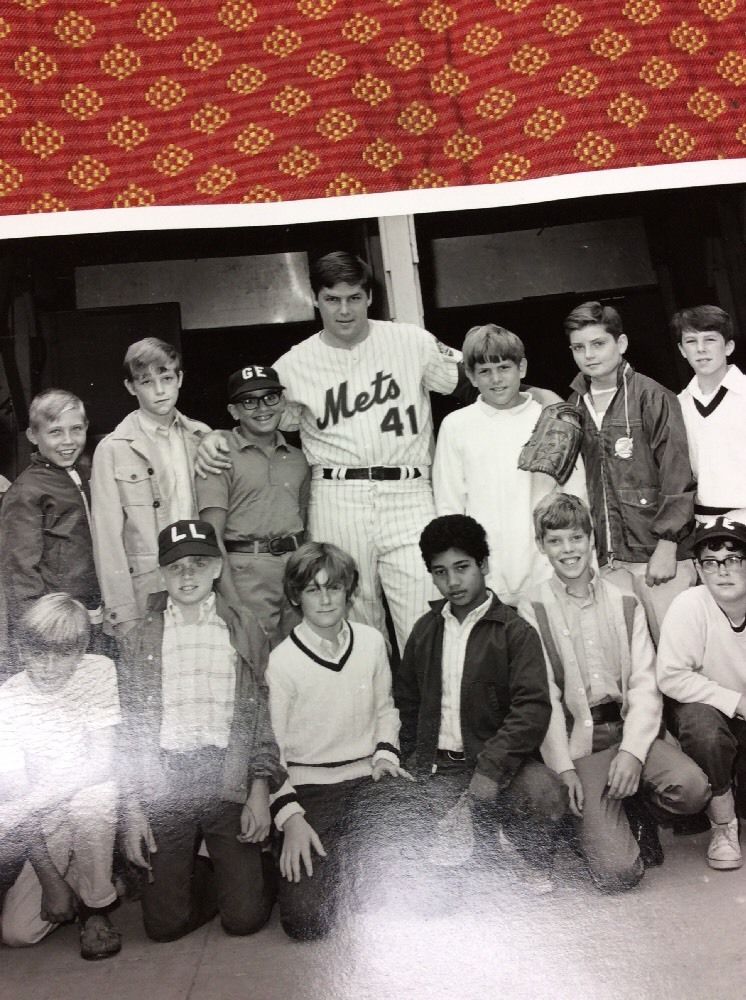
[358,393]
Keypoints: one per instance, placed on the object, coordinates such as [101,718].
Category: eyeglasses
[713,565]
[252,402]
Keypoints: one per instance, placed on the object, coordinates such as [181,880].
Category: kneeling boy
[332,710]
[474,703]
[601,666]
[702,669]
[58,719]
[199,749]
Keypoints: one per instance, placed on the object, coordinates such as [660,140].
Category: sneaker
[724,851]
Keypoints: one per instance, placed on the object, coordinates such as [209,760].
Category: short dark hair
[702,318]
[150,351]
[303,565]
[337,267]
[454,531]
[594,314]
[561,510]
[491,343]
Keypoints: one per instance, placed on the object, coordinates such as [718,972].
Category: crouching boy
[474,703]
[603,738]
[335,720]
[58,719]
[198,748]
[702,669]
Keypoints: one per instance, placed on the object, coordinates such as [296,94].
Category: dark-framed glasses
[252,402]
[711,565]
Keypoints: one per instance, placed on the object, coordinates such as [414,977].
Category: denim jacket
[637,500]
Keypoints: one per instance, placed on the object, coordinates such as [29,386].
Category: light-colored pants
[379,524]
[258,582]
[670,781]
[80,840]
[630,577]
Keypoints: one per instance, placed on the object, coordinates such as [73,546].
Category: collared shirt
[455,637]
[717,444]
[175,474]
[587,626]
[328,649]
[264,493]
[199,679]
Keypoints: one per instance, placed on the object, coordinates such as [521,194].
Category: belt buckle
[275,546]
[376,472]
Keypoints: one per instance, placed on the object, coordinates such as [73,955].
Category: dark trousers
[188,890]
[347,817]
[715,742]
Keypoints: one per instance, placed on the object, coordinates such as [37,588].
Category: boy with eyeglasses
[258,506]
[702,669]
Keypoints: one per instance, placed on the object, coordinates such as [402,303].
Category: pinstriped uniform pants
[379,524]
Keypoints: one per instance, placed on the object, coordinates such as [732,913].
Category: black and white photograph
[373,599]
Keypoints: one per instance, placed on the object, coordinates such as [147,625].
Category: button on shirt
[199,679]
[455,637]
[175,473]
[264,493]
[587,620]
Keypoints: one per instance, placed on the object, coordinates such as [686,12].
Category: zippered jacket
[252,749]
[505,706]
[637,500]
[45,539]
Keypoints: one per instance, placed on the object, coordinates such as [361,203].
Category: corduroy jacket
[252,750]
[505,706]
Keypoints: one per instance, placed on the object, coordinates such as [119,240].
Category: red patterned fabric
[110,103]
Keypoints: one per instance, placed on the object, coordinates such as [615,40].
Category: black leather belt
[276,546]
[378,472]
[607,711]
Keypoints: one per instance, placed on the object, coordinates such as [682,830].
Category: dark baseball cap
[251,378]
[723,527]
[187,538]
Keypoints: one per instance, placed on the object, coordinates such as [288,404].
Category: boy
[200,753]
[474,703]
[45,532]
[637,468]
[58,720]
[714,409]
[258,506]
[476,470]
[702,669]
[601,667]
[331,707]
[142,480]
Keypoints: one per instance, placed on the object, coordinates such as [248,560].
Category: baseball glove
[554,444]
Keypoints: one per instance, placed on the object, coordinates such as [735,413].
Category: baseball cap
[186,538]
[251,378]
[723,527]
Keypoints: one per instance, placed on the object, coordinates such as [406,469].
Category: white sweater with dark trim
[333,715]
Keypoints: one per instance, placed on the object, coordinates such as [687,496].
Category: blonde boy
[58,720]
[476,461]
[142,480]
[45,534]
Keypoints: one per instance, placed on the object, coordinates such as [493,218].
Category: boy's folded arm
[407,697]
[387,715]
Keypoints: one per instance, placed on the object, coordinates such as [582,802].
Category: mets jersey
[368,405]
